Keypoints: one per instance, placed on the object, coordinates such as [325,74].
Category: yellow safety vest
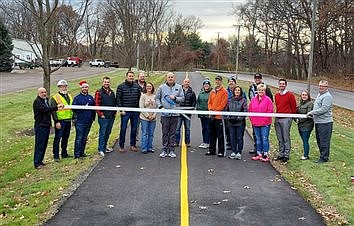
[67,113]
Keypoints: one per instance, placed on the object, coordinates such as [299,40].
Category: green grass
[30,196]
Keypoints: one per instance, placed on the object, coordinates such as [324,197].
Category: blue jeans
[262,139]
[82,131]
[305,136]
[147,134]
[134,119]
[187,129]
[205,129]
[61,134]
[40,144]
[323,137]
[106,125]
[236,135]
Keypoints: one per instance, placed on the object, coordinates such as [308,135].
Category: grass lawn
[327,187]
[30,196]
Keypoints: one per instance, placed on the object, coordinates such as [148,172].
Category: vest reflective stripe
[63,114]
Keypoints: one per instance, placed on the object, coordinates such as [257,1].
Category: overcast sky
[215,14]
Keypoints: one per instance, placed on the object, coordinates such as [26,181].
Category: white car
[97,63]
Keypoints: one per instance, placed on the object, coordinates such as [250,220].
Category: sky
[215,14]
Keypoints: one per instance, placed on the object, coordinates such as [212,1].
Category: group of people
[170,95]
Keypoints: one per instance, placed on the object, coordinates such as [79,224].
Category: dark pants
[323,137]
[236,133]
[61,134]
[169,126]
[205,129]
[187,128]
[305,136]
[40,144]
[134,120]
[82,131]
[106,125]
[216,134]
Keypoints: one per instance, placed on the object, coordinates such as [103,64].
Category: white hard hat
[62,83]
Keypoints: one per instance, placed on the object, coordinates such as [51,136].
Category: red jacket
[217,100]
[285,103]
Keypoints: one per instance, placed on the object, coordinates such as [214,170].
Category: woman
[261,125]
[305,125]
[236,124]
[148,119]
[202,105]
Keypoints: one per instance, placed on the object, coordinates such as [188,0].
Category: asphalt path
[143,189]
[19,80]
[341,98]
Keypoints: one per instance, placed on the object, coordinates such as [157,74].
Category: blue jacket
[84,116]
[163,100]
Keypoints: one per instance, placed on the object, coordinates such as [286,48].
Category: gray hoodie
[322,110]
[163,100]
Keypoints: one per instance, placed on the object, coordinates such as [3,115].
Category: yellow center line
[184,181]
[184,184]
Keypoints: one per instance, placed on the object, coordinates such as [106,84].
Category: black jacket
[128,94]
[42,112]
[190,99]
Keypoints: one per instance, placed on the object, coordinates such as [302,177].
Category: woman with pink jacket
[263,104]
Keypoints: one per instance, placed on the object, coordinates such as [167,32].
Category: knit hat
[206,81]
[233,78]
[83,83]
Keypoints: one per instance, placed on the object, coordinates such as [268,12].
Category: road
[143,189]
[19,80]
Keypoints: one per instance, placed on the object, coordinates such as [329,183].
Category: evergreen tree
[6,48]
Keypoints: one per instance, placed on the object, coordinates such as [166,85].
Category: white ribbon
[183,111]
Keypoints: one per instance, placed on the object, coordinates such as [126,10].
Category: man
[167,96]
[217,102]
[285,103]
[83,119]
[128,95]
[62,120]
[141,82]
[252,92]
[42,123]
[323,119]
[190,100]
[105,97]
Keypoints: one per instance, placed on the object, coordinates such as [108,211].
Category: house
[26,51]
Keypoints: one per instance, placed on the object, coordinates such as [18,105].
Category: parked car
[115,64]
[97,63]
[73,61]
[56,63]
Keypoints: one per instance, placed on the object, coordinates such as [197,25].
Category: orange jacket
[217,100]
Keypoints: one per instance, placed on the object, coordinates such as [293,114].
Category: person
[217,102]
[105,97]
[42,123]
[141,81]
[252,92]
[231,86]
[147,119]
[323,119]
[83,119]
[190,101]
[261,124]
[128,95]
[202,105]
[285,102]
[167,96]
[237,124]
[62,120]
[305,125]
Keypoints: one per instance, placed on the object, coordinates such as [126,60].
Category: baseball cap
[218,77]
[258,75]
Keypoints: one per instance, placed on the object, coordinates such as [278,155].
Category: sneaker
[172,154]
[109,150]
[202,145]
[279,158]
[206,145]
[210,153]
[238,156]
[133,148]
[257,157]
[285,159]
[188,145]
[152,151]
[163,154]
[265,158]
[83,155]
[304,158]
[232,156]
[120,149]
[220,155]
[56,160]
[144,151]
[101,153]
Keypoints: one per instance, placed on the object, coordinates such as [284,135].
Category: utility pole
[217,49]
[237,48]
[152,52]
[313,29]
[137,56]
